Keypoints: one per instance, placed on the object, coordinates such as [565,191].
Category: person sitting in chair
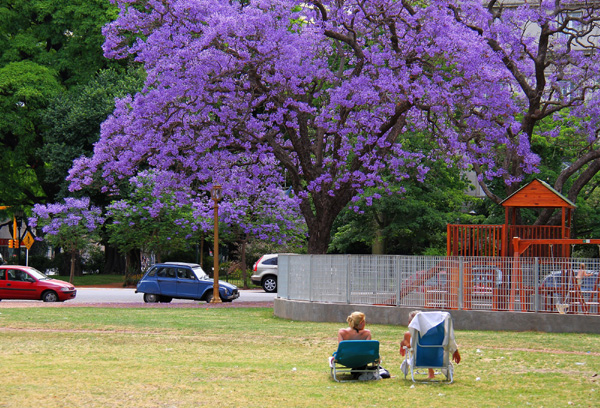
[356,331]
[405,343]
[356,328]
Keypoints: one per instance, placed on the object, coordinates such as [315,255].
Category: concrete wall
[463,319]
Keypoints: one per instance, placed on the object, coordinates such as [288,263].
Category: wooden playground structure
[496,240]
[516,241]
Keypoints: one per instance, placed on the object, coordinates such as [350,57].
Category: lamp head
[216,192]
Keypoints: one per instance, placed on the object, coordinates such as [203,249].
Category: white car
[265,273]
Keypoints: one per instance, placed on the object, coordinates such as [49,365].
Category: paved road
[126,295]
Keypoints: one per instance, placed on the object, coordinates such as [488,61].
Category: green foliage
[73,123]
[63,34]
[409,223]
[154,222]
[93,260]
[72,238]
[44,264]
[132,279]
[558,147]
[47,47]
[26,89]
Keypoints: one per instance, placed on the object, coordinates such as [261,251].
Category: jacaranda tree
[549,51]
[149,220]
[72,225]
[319,94]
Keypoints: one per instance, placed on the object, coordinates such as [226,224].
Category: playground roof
[537,193]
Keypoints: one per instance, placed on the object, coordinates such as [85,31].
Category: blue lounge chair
[356,357]
[432,341]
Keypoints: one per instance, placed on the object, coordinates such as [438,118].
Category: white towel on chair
[423,322]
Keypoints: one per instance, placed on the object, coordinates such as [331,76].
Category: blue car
[177,280]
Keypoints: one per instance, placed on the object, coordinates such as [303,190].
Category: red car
[24,282]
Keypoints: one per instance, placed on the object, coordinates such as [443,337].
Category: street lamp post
[216,196]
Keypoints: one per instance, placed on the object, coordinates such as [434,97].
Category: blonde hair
[355,319]
[412,315]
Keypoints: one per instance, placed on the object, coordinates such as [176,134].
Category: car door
[187,284]
[3,293]
[167,281]
[20,285]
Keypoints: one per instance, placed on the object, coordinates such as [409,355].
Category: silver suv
[265,273]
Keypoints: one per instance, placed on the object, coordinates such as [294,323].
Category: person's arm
[368,335]
[340,335]
[405,343]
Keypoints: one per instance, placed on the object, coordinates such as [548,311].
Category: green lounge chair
[356,357]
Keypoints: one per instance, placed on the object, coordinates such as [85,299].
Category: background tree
[25,91]
[72,125]
[158,218]
[71,225]
[46,47]
[549,52]
[326,89]
[150,220]
[63,34]
[413,223]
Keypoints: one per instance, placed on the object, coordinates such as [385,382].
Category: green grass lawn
[94,279]
[243,357]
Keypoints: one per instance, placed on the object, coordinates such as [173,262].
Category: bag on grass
[383,373]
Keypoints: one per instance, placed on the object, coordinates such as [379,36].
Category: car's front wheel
[150,298]
[208,297]
[50,296]
[269,284]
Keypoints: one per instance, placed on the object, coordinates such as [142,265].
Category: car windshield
[200,274]
[36,274]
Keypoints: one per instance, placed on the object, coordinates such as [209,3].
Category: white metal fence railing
[554,285]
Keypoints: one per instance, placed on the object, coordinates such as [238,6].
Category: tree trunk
[202,250]
[134,262]
[319,234]
[244,242]
[72,273]
[379,241]
[114,261]
[320,211]
[378,246]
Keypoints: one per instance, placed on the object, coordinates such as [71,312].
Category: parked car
[265,272]
[558,280]
[487,287]
[24,282]
[486,278]
[178,280]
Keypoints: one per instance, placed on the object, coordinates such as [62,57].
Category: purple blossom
[321,97]
[72,224]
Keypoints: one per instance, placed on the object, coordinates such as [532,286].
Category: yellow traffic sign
[28,240]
